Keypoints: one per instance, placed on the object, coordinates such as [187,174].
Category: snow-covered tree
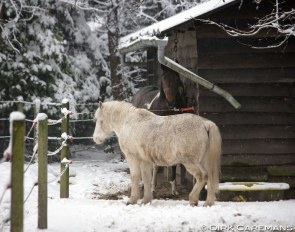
[36,53]
[152,11]
[50,47]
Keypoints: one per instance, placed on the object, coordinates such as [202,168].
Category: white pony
[147,139]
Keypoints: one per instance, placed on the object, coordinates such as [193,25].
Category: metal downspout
[161,44]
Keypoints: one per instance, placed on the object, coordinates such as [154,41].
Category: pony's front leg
[134,166]
[154,181]
[173,181]
[146,170]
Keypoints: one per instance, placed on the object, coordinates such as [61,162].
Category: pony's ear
[100,104]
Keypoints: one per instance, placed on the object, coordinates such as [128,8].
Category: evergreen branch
[7,37]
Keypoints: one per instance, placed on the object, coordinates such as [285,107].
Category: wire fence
[62,149]
[38,103]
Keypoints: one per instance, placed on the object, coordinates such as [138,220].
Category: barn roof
[166,24]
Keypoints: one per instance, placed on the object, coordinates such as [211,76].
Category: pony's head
[171,84]
[102,128]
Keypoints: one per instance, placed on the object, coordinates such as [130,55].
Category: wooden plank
[289,194]
[249,104]
[257,131]
[233,45]
[243,174]
[255,90]
[250,75]
[288,170]
[257,159]
[245,60]
[241,118]
[259,146]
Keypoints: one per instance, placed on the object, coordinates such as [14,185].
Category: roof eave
[171,22]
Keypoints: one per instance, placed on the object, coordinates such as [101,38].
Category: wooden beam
[258,146]
[245,118]
[232,45]
[238,160]
[246,60]
[243,174]
[254,90]
[249,104]
[249,75]
[258,131]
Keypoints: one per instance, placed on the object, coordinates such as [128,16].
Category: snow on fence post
[64,179]
[42,169]
[17,122]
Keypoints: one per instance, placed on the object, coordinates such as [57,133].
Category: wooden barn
[259,138]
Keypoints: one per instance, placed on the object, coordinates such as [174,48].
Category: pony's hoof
[130,203]
[193,203]
[175,193]
[146,201]
[208,204]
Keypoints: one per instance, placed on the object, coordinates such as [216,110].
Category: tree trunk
[1,20]
[113,41]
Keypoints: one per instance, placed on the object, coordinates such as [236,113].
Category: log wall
[258,139]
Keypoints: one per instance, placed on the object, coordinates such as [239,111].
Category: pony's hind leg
[210,195]
[210,200]
[146,171]
[200,174]
[134,166]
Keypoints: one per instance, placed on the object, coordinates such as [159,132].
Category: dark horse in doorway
[169,99]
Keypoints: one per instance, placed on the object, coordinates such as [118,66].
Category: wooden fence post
[64,179]
[17,171]
[20,106]
[42,170]
[37,107]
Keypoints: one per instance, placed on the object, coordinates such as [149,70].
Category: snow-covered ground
[107,176]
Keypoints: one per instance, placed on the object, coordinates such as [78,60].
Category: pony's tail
[214,155]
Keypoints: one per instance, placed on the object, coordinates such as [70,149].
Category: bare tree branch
[283,22]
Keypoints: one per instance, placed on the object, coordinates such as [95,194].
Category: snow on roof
[164,25]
